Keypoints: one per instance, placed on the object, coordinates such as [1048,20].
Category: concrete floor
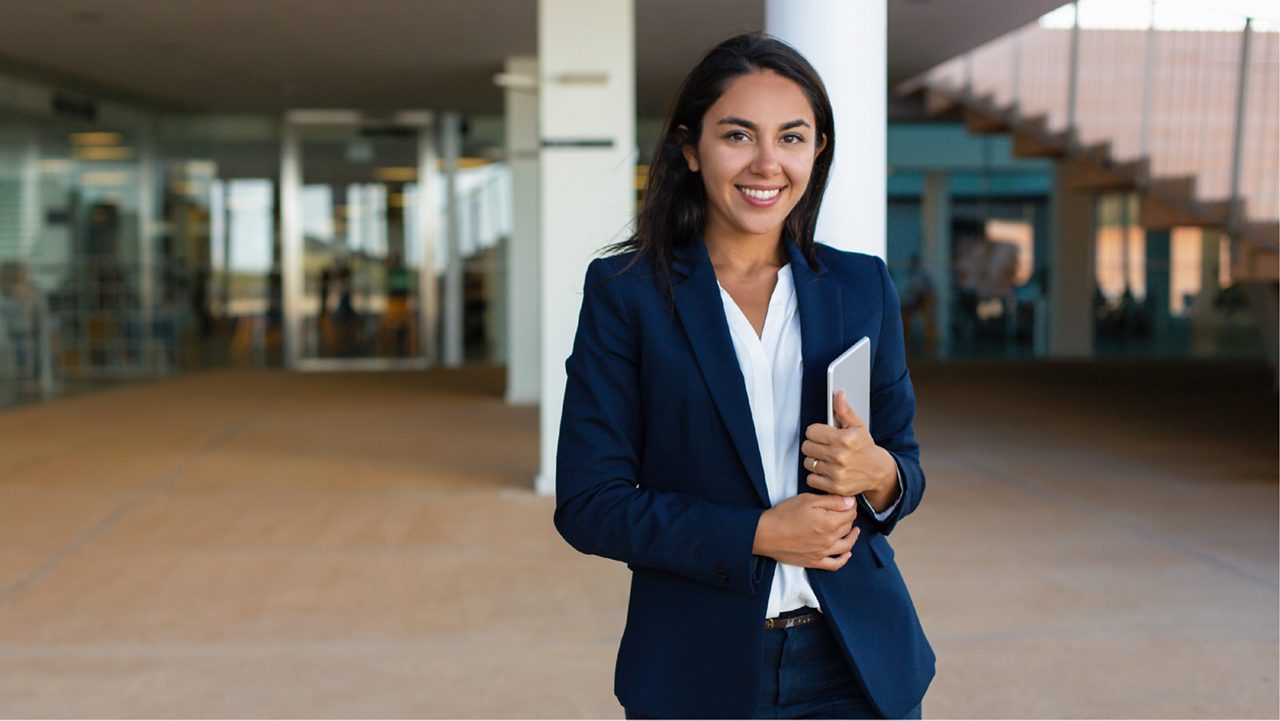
[1096,541]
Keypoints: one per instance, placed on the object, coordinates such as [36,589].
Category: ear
[821,146]
[689,152]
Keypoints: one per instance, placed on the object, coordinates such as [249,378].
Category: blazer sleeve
[601,508]
[893,405]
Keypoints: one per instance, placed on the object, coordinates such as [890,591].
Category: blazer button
[722,576]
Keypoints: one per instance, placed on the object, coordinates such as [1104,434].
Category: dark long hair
[674,208]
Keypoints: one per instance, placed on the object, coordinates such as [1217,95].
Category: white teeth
[760,194]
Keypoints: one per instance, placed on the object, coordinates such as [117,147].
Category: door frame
[295,122]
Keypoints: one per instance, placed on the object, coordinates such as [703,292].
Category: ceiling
[267,56]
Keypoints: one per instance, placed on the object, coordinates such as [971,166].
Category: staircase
[1145,111]
[1166,202]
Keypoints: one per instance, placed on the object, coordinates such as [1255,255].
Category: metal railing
[1198,103]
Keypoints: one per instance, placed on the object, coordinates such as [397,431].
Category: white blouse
[772,370]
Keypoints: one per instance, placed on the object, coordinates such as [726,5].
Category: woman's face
[755,154]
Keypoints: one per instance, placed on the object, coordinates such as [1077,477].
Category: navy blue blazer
[658,467]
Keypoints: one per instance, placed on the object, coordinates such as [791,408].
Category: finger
[822,483]
[842,544]
[849,487]
[838,526]
[833,564]
[845,545]
[835,502]
[813,448]
[844,412]
[821,433]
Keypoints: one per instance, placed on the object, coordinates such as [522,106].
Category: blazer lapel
[701,311]
[818,302]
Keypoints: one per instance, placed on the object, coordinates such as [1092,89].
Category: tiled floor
[1096,541]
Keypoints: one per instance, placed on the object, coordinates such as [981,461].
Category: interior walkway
[1096,541]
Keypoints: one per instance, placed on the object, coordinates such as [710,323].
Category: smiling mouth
[759,193]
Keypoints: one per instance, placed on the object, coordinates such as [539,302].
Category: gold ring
[815,466]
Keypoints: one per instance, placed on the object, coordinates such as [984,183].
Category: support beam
[1206,320]
[586,114]
[836,35]
[935,252]
[450,151]
[1157,272]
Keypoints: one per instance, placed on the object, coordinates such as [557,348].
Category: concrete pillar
[837,37]
[450,150]
[935,251]
[586,117]
[523,361]
[1205,324]
[1071,270]
[1043,253]
[1157,257]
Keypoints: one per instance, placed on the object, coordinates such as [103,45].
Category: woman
[692,445]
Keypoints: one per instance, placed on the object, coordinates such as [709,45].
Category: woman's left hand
[848,461]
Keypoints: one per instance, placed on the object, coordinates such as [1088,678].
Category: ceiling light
[96,138]
[105,152]
[396,175]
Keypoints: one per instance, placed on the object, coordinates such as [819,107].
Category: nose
[766,160]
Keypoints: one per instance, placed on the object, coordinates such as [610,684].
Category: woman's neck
[745,255]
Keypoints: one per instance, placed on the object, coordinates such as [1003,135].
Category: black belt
[791,619]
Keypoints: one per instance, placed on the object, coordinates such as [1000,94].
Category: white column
[586,113]
[523,271]
[153,362]
[935,251]
[29,195]
[427,227]
[291,249]
[1071,271]
[450,150]
[846,42]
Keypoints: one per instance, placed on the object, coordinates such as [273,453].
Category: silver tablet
[851,372]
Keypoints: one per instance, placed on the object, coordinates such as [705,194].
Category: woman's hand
[848,461]
[809,530]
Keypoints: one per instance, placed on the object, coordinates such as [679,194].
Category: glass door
[358,215]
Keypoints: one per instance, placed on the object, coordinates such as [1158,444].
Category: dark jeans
[804,675]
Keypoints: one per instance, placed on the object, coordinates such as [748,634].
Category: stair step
[937,102]
[985,122]
[1084,173]
[1265,233]
[1035,123]
[1181,187]
[1220,209]
[1170,202]
[1139,169]
[1098,152]
[1253,263]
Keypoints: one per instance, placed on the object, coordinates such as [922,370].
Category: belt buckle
[783,623]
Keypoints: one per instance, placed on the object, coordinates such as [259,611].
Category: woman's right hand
[809,530]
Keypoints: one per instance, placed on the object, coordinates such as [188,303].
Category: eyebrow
[797,123]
